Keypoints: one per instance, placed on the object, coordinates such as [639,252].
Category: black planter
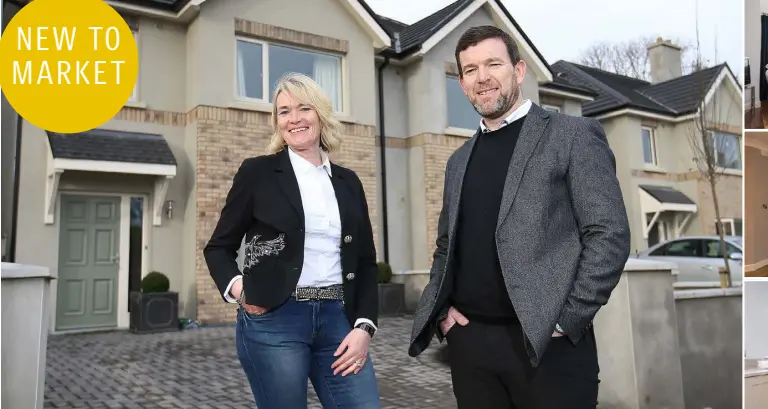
[154,312]
[391,298]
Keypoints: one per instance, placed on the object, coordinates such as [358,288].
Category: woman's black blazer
[264,206]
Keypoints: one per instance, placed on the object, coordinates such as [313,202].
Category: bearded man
[532,239]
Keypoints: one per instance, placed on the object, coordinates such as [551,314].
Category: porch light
[169,209]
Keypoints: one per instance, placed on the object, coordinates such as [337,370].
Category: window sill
[136,104]
[345,119]
[733,172]
[261,106]
[654,169]
[467,133]
[251,106]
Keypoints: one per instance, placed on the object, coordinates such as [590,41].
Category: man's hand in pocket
[454,317]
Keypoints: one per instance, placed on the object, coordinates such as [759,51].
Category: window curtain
[327,74]
[726,150]
[241,90]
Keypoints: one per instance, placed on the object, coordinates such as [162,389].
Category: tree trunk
[720,231]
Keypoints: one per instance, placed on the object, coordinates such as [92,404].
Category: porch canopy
[102,150]
[657,199]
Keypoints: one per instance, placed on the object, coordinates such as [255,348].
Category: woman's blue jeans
[284,347]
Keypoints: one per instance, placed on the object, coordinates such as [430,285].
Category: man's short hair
[477,34]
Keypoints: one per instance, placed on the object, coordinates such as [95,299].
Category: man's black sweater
[479,290]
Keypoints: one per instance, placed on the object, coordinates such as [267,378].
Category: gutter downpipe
[16,178]
[383,160]
[11,255]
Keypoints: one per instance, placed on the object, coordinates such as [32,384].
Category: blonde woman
[307,294]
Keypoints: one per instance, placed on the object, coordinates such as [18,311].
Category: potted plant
[154,308]
[391,295]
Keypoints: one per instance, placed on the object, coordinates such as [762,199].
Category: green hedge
[385,272]
[155,282]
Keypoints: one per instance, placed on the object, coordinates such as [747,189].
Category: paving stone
[198,368]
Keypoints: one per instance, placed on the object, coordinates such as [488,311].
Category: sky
[561,29]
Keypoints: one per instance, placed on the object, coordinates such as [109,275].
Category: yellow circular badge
[68,66]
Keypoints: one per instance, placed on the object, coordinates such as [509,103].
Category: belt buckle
[299,297]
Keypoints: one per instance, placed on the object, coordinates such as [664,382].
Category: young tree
[711,153]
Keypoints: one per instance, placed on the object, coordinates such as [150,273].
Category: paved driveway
[198,368]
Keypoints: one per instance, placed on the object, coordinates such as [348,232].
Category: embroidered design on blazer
[255,249]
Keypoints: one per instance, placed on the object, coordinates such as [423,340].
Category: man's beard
[502,105]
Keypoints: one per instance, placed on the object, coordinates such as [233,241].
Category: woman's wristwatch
[367,328]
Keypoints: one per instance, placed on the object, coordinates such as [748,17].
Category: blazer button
[350,276]
[347,239]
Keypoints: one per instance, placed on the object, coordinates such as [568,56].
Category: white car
[698,259]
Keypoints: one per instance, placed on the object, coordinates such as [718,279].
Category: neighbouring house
[654,130]
[143,192]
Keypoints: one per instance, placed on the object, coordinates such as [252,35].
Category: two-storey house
[143,192]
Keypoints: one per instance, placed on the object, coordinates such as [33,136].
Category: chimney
[666,60]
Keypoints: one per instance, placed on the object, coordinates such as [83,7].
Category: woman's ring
[358,363]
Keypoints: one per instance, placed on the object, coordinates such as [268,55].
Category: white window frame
[731,223]
[654,155]
[738,144]
[265,72]
[553,108]
[135,94]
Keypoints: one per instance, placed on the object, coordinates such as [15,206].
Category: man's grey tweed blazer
[562,234]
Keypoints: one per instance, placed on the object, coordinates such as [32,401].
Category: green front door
[89,242]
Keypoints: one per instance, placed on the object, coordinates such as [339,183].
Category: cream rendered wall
[621,132]
[398,169]
[162,81]
[572,107]
[162,51]
[725,108]
[212,65]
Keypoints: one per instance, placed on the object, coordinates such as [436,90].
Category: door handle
[116,258]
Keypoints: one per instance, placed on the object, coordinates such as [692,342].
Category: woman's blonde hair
[307,91]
